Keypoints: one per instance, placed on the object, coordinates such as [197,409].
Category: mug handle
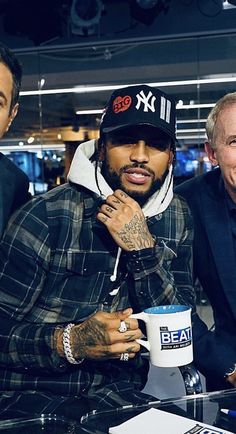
[144,317]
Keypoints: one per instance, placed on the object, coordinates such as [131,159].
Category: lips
[137,175]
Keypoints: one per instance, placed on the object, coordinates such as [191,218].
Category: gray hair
[226,100]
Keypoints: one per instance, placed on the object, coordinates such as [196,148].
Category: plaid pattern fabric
[56,262]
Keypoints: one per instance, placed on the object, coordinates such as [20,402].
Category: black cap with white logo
[139,105]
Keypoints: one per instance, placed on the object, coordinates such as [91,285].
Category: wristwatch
[231,371]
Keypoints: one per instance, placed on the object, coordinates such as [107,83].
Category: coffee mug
[169,335]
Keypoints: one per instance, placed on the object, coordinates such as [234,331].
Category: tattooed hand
[125,221]
[99,337]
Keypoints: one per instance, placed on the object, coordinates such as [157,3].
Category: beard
[114,181]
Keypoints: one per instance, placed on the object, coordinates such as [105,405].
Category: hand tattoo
[135,234]
[87,336]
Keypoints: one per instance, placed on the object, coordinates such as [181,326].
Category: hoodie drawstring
[114,275]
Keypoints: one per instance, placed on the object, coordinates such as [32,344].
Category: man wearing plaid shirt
[78,260]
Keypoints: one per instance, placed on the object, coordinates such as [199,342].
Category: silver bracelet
[67,347]
[231,371]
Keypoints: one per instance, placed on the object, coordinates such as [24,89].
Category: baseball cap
[139,105]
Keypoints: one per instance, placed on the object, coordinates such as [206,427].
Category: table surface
[42,424]
[204,407]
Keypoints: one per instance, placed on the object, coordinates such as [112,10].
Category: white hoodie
[82,172]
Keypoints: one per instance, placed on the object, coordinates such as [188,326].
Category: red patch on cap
[121,103]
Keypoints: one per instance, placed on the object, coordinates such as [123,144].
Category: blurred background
[75,52]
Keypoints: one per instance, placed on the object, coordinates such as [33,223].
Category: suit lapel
[220,238]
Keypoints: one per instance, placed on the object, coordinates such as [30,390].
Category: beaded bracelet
[67,347]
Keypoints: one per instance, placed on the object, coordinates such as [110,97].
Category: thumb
[125,313]
[122,314]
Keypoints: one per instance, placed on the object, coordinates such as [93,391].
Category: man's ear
[171,158]
[12,115]
[211,153]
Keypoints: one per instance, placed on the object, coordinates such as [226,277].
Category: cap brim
[124,126]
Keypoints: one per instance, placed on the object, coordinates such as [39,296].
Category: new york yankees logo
[148,101]
[149,104]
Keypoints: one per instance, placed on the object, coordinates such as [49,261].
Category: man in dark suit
[212,199]
[13,182]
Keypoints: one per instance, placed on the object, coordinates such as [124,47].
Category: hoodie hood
[82,172]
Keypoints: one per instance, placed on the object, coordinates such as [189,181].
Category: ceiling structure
[69,47]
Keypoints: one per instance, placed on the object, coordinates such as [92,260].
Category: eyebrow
[233,136]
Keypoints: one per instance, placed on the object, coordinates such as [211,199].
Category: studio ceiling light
[145,11]
[88,89]
[85,15]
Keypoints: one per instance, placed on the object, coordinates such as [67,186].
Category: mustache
[135,166]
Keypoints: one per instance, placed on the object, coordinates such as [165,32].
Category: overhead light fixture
[145,11]
[191,121]
[30,140]
[178,107]
[194,106]
[85,15]
[191,130]
[37,147]
[89,112]
[90,89]
[191,137]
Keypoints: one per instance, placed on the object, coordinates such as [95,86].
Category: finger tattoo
[116,201]
[109,209]
[129,338]
[130,350]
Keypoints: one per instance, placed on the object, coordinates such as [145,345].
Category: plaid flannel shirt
[56,262]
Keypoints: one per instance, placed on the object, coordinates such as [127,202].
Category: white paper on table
[154,421]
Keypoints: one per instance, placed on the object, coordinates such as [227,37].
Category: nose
[139,152]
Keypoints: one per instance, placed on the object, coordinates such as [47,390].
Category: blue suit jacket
[215,267]
[14,187]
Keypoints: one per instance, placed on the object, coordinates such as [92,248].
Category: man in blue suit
[13,182]
[212,199]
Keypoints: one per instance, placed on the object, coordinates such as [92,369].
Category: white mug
[169,335]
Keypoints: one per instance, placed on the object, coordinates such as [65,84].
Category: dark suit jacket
[14,187]
[215,266]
